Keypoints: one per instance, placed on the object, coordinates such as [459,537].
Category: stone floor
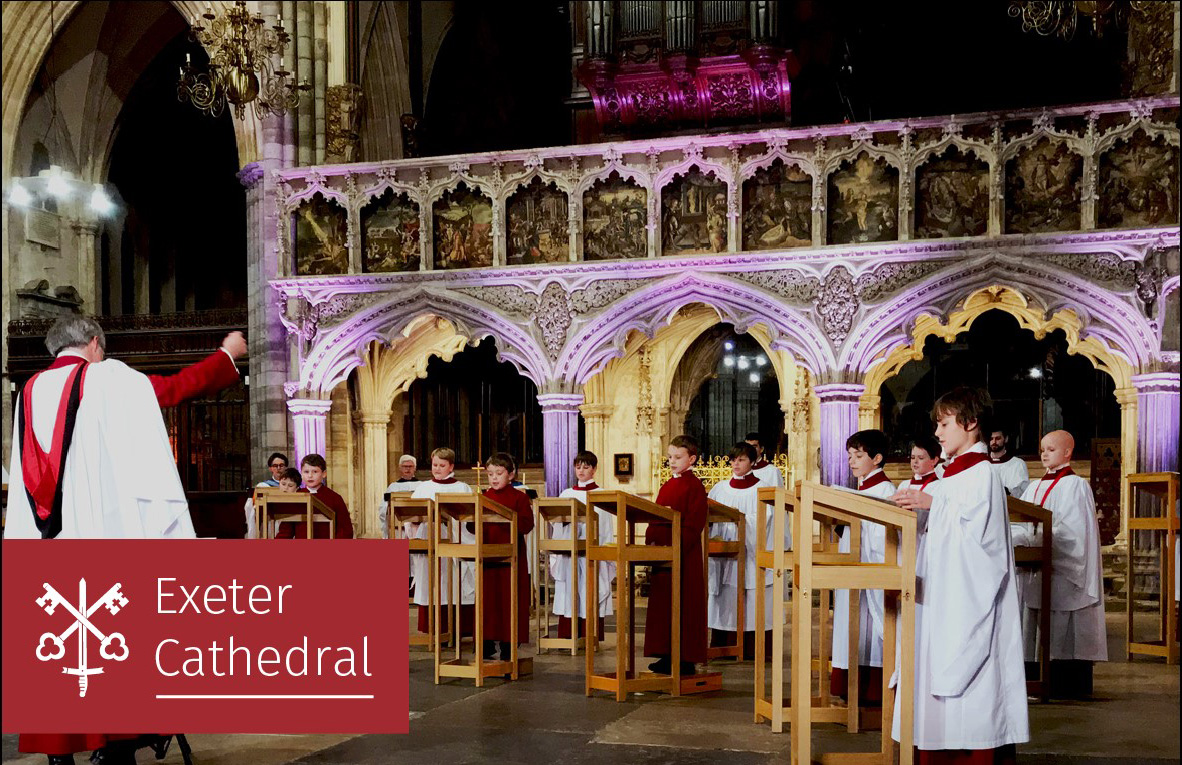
[546,718]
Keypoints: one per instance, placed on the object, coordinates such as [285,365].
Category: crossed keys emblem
[112,646]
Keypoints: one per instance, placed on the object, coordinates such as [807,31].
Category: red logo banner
[205,636]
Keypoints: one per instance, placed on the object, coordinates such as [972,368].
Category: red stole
[923,482]
[1055,475]
[42,470]
[589,487]
[746,482]
[964,462]
[872,481]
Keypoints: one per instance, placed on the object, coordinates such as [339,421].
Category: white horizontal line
[261,696]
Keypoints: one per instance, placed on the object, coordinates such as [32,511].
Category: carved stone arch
[386,179]
[647,309]
[979,149]
[388,367]
[337,351]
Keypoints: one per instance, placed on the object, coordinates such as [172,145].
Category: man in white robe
[1078,636]
[970,685]
[866,451]
[407,481]
[1009,467]
[585,466]
[767,473]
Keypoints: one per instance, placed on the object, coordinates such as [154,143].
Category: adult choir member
[407,481]
[1011,468]
[767,473]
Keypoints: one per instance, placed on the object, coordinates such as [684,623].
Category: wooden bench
[1163,487]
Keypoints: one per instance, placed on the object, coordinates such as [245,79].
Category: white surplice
[1077,584]
[119,480]
[384,506]
[420,566]
[917,482]
[723,581]
[870,614]
[1014,474]
[769,475]
[560,567]
[252,526]
[970,681]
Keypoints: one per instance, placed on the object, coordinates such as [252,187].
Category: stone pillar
[375,472]
[595,419]
[560,430]
[870,412]
[88,266]
[1157,421]
[310,420]
[839,420]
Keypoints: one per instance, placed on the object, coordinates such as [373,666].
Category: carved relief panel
[321,237]
[463,229]
[390,234]
[863,201]
[952,196]
[694,214]
[537,217]
[1139,184]
[615,220]
[777,208]
[1043,189]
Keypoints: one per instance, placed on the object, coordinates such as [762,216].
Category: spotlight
[728,345]
[754,377]
[728,361]
[18,195]
[743,362]
[760,360]
[100,202]
[56,183]
[1036,372]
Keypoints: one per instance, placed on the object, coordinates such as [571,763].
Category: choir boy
[970,686]
[741,492]
[1078,637]
[685,494]
[443,481]
[925,460]
[498,582]
[314,469]
[407,481]
[586,464]
[866,451]
[1011,468]
[767,473]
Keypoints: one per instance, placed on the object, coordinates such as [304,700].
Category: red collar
[925,480]
[444,481]
[746,482]
[1065,470]
[872,481]
[1009,456]
[761,464]
[65,361]
[589,487]
[964,462]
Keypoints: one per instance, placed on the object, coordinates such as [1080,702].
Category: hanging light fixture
[242,70]
[1060,18]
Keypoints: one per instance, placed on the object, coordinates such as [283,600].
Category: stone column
[310,420]
[839,420]
[1127,398]
[88,268]
[375,475]
[595,419]
[1157,421]
[560,430]
[870,411]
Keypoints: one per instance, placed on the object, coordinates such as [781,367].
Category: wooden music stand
[276,506]
[551,510]
[820,570]
[629,510]
[454,510]
[727,550]
[781,562]
[1164,486]
[1037,559]
[403,508]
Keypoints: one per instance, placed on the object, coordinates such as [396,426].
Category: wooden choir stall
[274,506]
[452,511]
[1157,492]
[1037,559]
[627,553]
[727,550]
[823,570]
[404,509]
[553,510]
[780,561]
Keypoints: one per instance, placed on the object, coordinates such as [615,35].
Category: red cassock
[497,576]
[686,495]
[208,376]
[336,503]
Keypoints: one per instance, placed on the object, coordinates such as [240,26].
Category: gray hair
[73,332]
[408,458]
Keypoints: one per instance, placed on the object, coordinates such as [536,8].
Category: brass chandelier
[242,50]
[1061,17]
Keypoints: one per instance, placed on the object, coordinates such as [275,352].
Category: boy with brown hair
[497,592]
[314,469]
[685,494]
[443,481]
[585,464]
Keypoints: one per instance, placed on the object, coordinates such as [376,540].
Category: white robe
[1077,584]
[420,566]
[769,475]
[723,581]
[252,526]
[384,506]
[1014,475]
[870,605]
[921,516]
[119,480]
[970,682]
[560,567]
